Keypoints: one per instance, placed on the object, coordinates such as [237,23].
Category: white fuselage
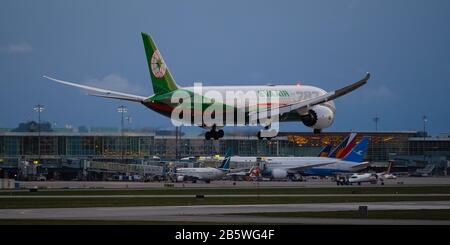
[252,97]
[284,93]
[386,176]
[360,178]
[319,165]
[201,173]
[297,162]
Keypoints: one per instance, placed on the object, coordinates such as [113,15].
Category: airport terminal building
[66,150]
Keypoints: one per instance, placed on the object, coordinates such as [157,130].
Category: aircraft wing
[360,166]
[299,168]
[102,92]
[273,111]
[238,174]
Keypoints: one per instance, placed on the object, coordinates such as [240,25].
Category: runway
[224,213]
[224,195]
[401,181]
[215,213]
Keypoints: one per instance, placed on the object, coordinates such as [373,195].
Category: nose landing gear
[267,133]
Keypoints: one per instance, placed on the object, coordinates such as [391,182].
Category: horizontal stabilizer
[360,166]
[103,92]
[116,97]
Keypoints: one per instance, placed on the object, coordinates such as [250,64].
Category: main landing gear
[266,133]
[214,134]
[317,131]
[261,137]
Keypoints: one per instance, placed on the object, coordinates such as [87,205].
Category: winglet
[347,89]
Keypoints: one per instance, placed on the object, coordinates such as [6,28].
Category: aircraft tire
[259,135]
[208,135]
[215,135]
[220,133]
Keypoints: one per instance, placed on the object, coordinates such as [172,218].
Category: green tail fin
[162,80]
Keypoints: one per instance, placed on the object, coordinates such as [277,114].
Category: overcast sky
[329,44]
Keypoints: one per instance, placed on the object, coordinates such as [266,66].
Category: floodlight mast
[122,109]
[39,108]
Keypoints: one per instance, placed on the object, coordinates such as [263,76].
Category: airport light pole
[129,119]
[121,109]
[376,119]
[425,119]
[39,108]
[176,142]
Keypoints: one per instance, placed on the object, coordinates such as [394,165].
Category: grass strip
[187,201]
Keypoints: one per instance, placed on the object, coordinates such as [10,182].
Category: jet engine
[279,173]
[318,117]
[180,178]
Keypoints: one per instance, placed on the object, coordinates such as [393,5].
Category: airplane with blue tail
[205,174]
[352,162]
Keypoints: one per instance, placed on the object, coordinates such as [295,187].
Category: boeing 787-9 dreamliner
[310,105]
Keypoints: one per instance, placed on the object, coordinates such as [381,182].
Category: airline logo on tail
[157,65]
[357,154]
[255,172]
[389,168]
[344,147]
[225,166]
[162,80]
[325,151]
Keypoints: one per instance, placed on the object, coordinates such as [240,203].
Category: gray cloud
[15,48]
[381,92]
[353,4]
[376,94]
[114,82]
[255,75]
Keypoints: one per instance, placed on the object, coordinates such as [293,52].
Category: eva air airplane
[212,107]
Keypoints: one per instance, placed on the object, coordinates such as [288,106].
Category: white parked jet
[363,177]
[205,174]
[387,174]
[372,178]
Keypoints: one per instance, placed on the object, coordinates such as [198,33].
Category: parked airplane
[253,173]
[205,174]
[325,166]
[372,178]
[344,146]
[387,174]
[312,106]
[423,172]
[325,151]
[363,177]
[341,149]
